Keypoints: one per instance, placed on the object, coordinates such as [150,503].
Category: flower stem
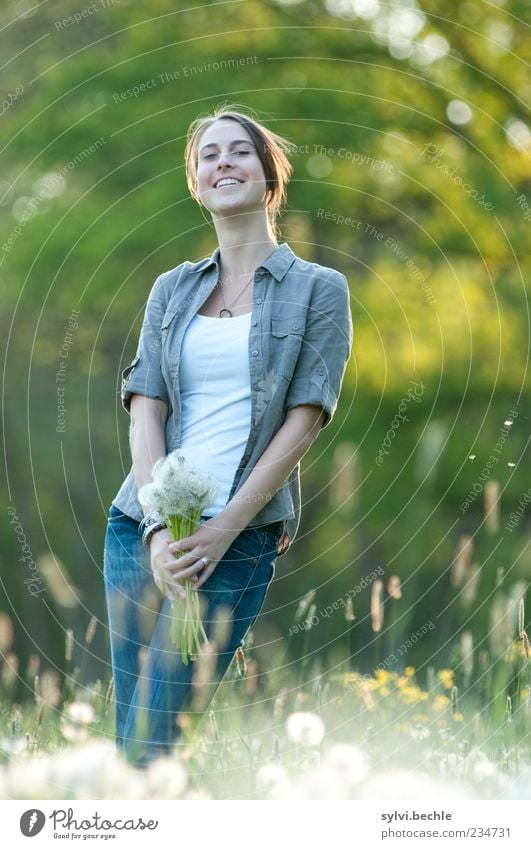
[186,627]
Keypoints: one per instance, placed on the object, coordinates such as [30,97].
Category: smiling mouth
[237,183]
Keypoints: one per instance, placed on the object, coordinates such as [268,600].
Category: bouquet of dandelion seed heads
[178,495]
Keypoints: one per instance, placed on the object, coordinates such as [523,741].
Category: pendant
[228,313]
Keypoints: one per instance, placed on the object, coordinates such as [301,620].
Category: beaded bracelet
[149,532]
[149,526]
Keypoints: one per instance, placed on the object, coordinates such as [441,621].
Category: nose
[224,159]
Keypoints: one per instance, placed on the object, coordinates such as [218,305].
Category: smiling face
[230,176]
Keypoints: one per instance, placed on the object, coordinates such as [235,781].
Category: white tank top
[215,389]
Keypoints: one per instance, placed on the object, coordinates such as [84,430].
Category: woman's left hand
[210,540]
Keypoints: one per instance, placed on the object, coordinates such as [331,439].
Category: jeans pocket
[115,513]
[249,544]
[273,536]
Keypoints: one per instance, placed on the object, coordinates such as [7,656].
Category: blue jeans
[151,684]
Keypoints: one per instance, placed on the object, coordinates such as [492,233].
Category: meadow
[431,733]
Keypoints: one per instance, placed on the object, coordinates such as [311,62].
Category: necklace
[225,312]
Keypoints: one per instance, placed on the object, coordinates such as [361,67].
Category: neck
[244,243]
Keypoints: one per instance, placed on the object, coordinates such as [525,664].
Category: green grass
[341,735]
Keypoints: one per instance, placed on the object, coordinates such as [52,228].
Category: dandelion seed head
[177,489]
[28,778]
[272,781]
[305,729]
[419,732]
[74,733]
[408,784]
[484,770]
[13,745]
[350,762]
[94,770]
[81,712]
[166,778]
[75,721]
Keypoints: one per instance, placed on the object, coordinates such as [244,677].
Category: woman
[240,363]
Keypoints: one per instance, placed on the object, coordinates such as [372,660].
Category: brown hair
[271,149]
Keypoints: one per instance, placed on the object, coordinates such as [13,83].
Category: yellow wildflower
[413,694]
[440,702]
[458,716]
[409,671]
[447,678]
[382,675]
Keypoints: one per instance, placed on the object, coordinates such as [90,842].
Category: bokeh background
[411,176]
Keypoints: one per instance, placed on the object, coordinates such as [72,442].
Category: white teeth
[227,182]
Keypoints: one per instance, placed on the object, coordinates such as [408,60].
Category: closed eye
[239,152]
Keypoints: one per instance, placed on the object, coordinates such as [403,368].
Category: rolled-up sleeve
[326,347]
[143,375]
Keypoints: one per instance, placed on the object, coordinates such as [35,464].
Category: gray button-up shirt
[300,340]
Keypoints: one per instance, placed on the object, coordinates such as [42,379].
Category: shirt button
[255,323]
[321,370]
[259,300]
[295,327]
[254,353]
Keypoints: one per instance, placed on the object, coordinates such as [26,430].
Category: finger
[175,587]
[204,576]
[184,544]
[167,590]
[166,584]
[180,564]
[183,561]
[163,588]
[189,572]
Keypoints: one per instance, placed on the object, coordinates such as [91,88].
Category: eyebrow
[236,141]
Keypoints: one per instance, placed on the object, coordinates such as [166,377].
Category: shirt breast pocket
[167,325]
[168,348]
[287,336]
[169,315]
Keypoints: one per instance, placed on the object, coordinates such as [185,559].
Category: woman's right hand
[161,559]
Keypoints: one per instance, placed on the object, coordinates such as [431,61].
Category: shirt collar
[277,263]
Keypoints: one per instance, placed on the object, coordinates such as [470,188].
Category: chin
[235,207]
